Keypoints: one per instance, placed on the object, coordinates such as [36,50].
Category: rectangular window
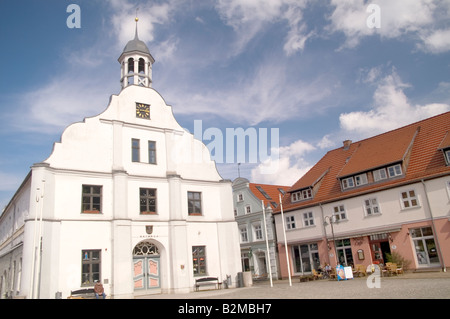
[240,198]
[379,174]
[248,209]
[371,207]
[306,193]
[409,199]
[244,236]
[199,260]
[147,200]
[257,230]
[152,152]
[290,222]
[348,183]
[447,157]
[344,251]
[194,203]
[361,179]
[395,170]
[308,219]
[339,212]
[91,199]
[91,266]
[135,150]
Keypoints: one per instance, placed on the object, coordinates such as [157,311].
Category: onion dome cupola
[136,63]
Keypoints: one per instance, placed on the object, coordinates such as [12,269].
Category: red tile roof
[272,192]
[417,145]
[445,142]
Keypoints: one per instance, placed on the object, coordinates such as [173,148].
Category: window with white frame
[240,197]
[371,207]
[379,174]
[361,179]
[290,222]
[306,193]
[395,170]
[248,209]
[339,212]
[348,183]
[257,231]
[447,157]
[308,219]
[409,199]
[301,195]
[244,235]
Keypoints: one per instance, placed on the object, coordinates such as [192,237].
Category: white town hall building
[127,197]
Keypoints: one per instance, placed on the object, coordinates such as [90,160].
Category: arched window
[130,65]
[141,66]
[145,248]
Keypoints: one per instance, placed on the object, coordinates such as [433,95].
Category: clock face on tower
[143,111]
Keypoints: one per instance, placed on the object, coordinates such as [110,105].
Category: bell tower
[136,63]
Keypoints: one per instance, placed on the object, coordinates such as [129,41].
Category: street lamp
[332,221]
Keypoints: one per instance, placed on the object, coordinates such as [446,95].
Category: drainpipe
[441,257]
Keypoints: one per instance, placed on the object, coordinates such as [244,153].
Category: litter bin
[240,279]
[227,282]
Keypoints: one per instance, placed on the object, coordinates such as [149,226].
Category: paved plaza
[432,285]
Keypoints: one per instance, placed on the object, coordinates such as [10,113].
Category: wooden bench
[207,281]
[87,293]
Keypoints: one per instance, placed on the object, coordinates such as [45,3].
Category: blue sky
[314,70]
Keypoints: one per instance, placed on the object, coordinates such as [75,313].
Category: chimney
[347,144]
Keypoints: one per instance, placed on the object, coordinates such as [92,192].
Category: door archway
[146,267]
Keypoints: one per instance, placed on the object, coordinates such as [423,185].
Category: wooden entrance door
[146,273]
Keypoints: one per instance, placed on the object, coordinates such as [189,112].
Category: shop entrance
[379,246]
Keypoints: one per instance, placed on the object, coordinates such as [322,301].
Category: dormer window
[301,195]
[348,183]
[379,174]
[447,157]
[361,179]
[395,170]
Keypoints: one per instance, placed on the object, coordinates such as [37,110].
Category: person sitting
[99,290]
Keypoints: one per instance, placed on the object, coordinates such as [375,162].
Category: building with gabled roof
[249,200]
[127,198]
[369,199]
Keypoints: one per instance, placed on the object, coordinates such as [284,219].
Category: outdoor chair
[392,268]
[360,270]
[399,270]
[316,274]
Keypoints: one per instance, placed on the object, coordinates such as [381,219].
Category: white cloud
[391,109]
[418,20]
[436,41]
[290,165]
[124,12]
[250,17]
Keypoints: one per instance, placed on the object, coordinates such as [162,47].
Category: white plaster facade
[98,151]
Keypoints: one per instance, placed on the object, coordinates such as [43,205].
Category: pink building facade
[370,201]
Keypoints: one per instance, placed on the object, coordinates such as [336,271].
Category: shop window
[344,252]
